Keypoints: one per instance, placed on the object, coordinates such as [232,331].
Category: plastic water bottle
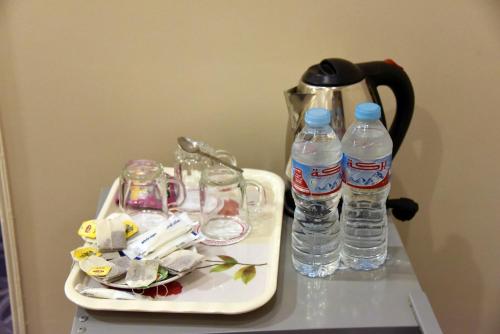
[367,148]
[316,183]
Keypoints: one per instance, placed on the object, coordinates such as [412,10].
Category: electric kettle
[339,85]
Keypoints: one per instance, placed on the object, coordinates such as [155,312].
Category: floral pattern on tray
[245,273]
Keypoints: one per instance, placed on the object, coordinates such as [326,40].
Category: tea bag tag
[82,253]
[95,266]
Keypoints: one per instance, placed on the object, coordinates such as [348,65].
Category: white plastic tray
[204,291]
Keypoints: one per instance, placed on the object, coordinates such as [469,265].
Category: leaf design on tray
[222,267]
[227,259]
[246,273]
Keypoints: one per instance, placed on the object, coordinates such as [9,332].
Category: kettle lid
[333,72]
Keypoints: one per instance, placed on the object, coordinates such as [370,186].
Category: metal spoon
[191,146]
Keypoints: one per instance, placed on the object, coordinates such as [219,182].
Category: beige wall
[86,85]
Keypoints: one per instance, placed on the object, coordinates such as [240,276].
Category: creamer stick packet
[183,241]
[147,242]
[151,240]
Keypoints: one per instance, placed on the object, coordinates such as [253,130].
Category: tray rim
[174,306]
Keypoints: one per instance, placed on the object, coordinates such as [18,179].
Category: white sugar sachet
[141,273]
[181,242]
[149,241]
[181,260]
[110,234]
[165,237]
[107,293]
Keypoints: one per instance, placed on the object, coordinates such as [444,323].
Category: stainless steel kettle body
[336,99]
[339,85]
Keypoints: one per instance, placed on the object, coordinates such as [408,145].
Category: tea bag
[110,255]
[141,273]
[131,227]
[88,228]
[110,234]
[181,260]
[119,269]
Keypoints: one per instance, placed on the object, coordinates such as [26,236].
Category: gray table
[387,300]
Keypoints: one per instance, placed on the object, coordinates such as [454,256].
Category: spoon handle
[221,161]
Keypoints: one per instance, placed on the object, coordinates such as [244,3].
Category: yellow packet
[87,229]
[82,253]
[95,266]
[99,271]
[131,228]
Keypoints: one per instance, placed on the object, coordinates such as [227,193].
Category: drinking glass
[227,222]
[144,188]
[188,169]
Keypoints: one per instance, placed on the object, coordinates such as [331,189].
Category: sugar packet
[148,242]
[184,241]
[107,293]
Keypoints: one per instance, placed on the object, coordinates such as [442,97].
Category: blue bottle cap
[317,117]
[367,111]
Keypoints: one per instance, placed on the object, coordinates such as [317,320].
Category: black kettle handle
[388,73]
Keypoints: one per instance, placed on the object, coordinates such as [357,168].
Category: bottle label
[316,180]
[367,174]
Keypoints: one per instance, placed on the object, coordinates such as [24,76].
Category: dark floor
[5,312]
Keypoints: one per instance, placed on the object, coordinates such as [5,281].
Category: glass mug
[224,205]
[188,169]
[144,188]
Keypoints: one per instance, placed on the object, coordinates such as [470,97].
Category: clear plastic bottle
[316,183]
[367,148]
